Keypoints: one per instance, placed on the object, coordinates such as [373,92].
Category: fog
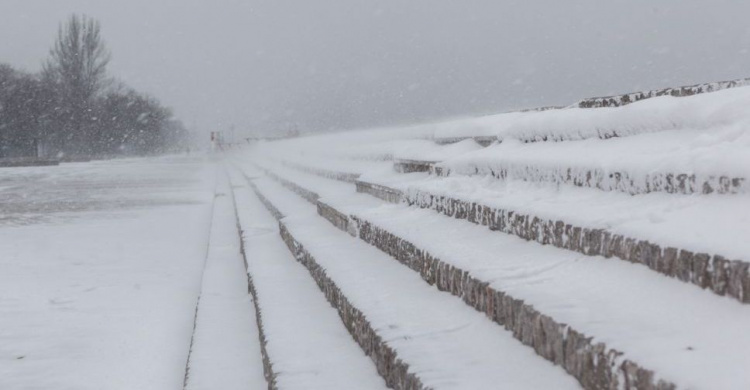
[266,66]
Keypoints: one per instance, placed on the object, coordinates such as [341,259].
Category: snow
[225,351]
[435,152]
[661,323]
[639,160]
[101,271]
[656,114]
[306,341]
[703,112]
[104,262]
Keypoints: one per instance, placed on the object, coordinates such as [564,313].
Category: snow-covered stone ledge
[409,166]
[394,370]
[622,181]
[268,371]
[385,193]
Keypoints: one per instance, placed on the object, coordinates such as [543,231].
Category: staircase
[602,262]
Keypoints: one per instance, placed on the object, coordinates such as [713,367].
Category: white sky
[259,64]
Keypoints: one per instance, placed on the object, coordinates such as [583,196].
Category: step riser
[336,218]
[715,273]
[410,166]
[391,195]
[616,181]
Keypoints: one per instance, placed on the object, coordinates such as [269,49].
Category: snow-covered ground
[101,267]
[103,263]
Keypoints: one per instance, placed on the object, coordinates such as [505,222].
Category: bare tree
[77,64]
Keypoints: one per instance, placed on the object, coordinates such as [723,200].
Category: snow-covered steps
[593,363]
[307,345]
[225,350]
[656,230]
[594,177]
[428,340]
[684,162]
[543,295]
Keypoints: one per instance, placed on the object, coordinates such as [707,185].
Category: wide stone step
[225,349]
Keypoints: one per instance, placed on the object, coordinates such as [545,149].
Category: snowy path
[307,343]
[101,266]
[225,352]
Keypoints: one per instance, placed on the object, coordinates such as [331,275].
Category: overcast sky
[339,64]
